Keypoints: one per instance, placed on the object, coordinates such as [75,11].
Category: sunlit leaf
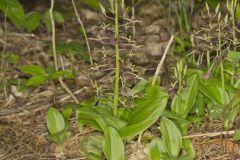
[113,146]
[184,101]
[145,113]
[55,121]
[36,80]
[213,90]
[139,87]
[33,70]
[171,137]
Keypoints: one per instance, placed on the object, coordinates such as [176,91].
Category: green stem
[117,71]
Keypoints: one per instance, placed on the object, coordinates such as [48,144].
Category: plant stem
[65,87]
[117,71]
[83,29]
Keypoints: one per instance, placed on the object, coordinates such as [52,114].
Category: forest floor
[23,131]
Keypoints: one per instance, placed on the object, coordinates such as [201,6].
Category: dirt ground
[23,132]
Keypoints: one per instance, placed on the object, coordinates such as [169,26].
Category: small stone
[140,59]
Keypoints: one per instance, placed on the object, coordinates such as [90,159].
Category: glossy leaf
[184,101]
[55,121]
[171,137]
[156,150]
[146,112]
[182,123]
[113,146]
[33,70]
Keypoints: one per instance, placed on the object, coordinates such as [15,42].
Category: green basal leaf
[171,137]
[36,80]
[182,123]
[99,120]
[32,21]
[213,90]
[231,110]
[113,146]
[146,112]
[189,148]
[157,150]
[61,137]
[67,112]
[139,87]
[184,101]
[55,121]
[14,11]
[33,70]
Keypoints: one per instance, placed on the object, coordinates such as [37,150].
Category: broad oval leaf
[213,90]
[156,149]
[146,112]
[113,146]
[55,121]
[171,137]
[184,101]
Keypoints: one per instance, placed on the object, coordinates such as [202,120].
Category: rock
[140,58]
[155,50]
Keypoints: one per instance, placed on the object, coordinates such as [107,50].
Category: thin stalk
[117,71]
[162,60]
[65,87]
[220,54]
[83,29]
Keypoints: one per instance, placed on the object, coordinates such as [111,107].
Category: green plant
[58,125]
[40,76]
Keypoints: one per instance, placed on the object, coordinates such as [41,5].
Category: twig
[65,87]
[213,134]
[83,29]
[162,60]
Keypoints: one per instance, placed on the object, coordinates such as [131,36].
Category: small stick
[214,134]
[162,60]
[83,29]
[65,87]
[157,72]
